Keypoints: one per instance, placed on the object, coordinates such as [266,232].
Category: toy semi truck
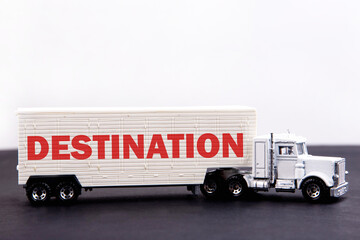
[62,151]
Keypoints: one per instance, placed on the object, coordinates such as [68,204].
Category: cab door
[286,158]
[261,168]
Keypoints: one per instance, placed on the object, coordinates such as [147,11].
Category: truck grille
[341,172]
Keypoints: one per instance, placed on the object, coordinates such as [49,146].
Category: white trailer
[62,151]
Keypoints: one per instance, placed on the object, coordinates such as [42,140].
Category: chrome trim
[339,190]
[339,173]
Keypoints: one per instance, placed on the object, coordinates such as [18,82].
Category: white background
[297,62]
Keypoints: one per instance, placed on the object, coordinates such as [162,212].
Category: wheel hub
[313,190]
[235,188]
[67,193]
[39,194]
[210,187]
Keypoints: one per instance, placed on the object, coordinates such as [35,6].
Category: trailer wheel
[67,192]
[236,187]
[38,193]
[211,187]
[314,190]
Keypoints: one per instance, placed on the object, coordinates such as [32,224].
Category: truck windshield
[301,148]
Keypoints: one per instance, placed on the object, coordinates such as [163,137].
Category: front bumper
[339,190]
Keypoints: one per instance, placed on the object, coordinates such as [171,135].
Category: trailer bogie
[65,188]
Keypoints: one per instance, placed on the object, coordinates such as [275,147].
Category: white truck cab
[281,161]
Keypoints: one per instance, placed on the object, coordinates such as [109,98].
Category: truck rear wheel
[67,192]
[236,187]
[211,187]
[38,193]
[315,190]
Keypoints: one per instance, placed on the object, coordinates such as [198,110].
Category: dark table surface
[173,213]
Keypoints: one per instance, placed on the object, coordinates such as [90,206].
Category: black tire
[67,192]
[38,193]
[236,187]
[315,190]
[212,186]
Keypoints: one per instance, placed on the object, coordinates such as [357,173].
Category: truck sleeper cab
[282,162]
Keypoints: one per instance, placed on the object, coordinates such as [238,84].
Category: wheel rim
[313,190]
[235,188]
[39,194]
[210,187]
[67,192]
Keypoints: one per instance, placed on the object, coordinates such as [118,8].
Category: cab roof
[282,137]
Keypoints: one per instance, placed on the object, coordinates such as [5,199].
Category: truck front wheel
[38,193]
[67,192]
[314,190]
